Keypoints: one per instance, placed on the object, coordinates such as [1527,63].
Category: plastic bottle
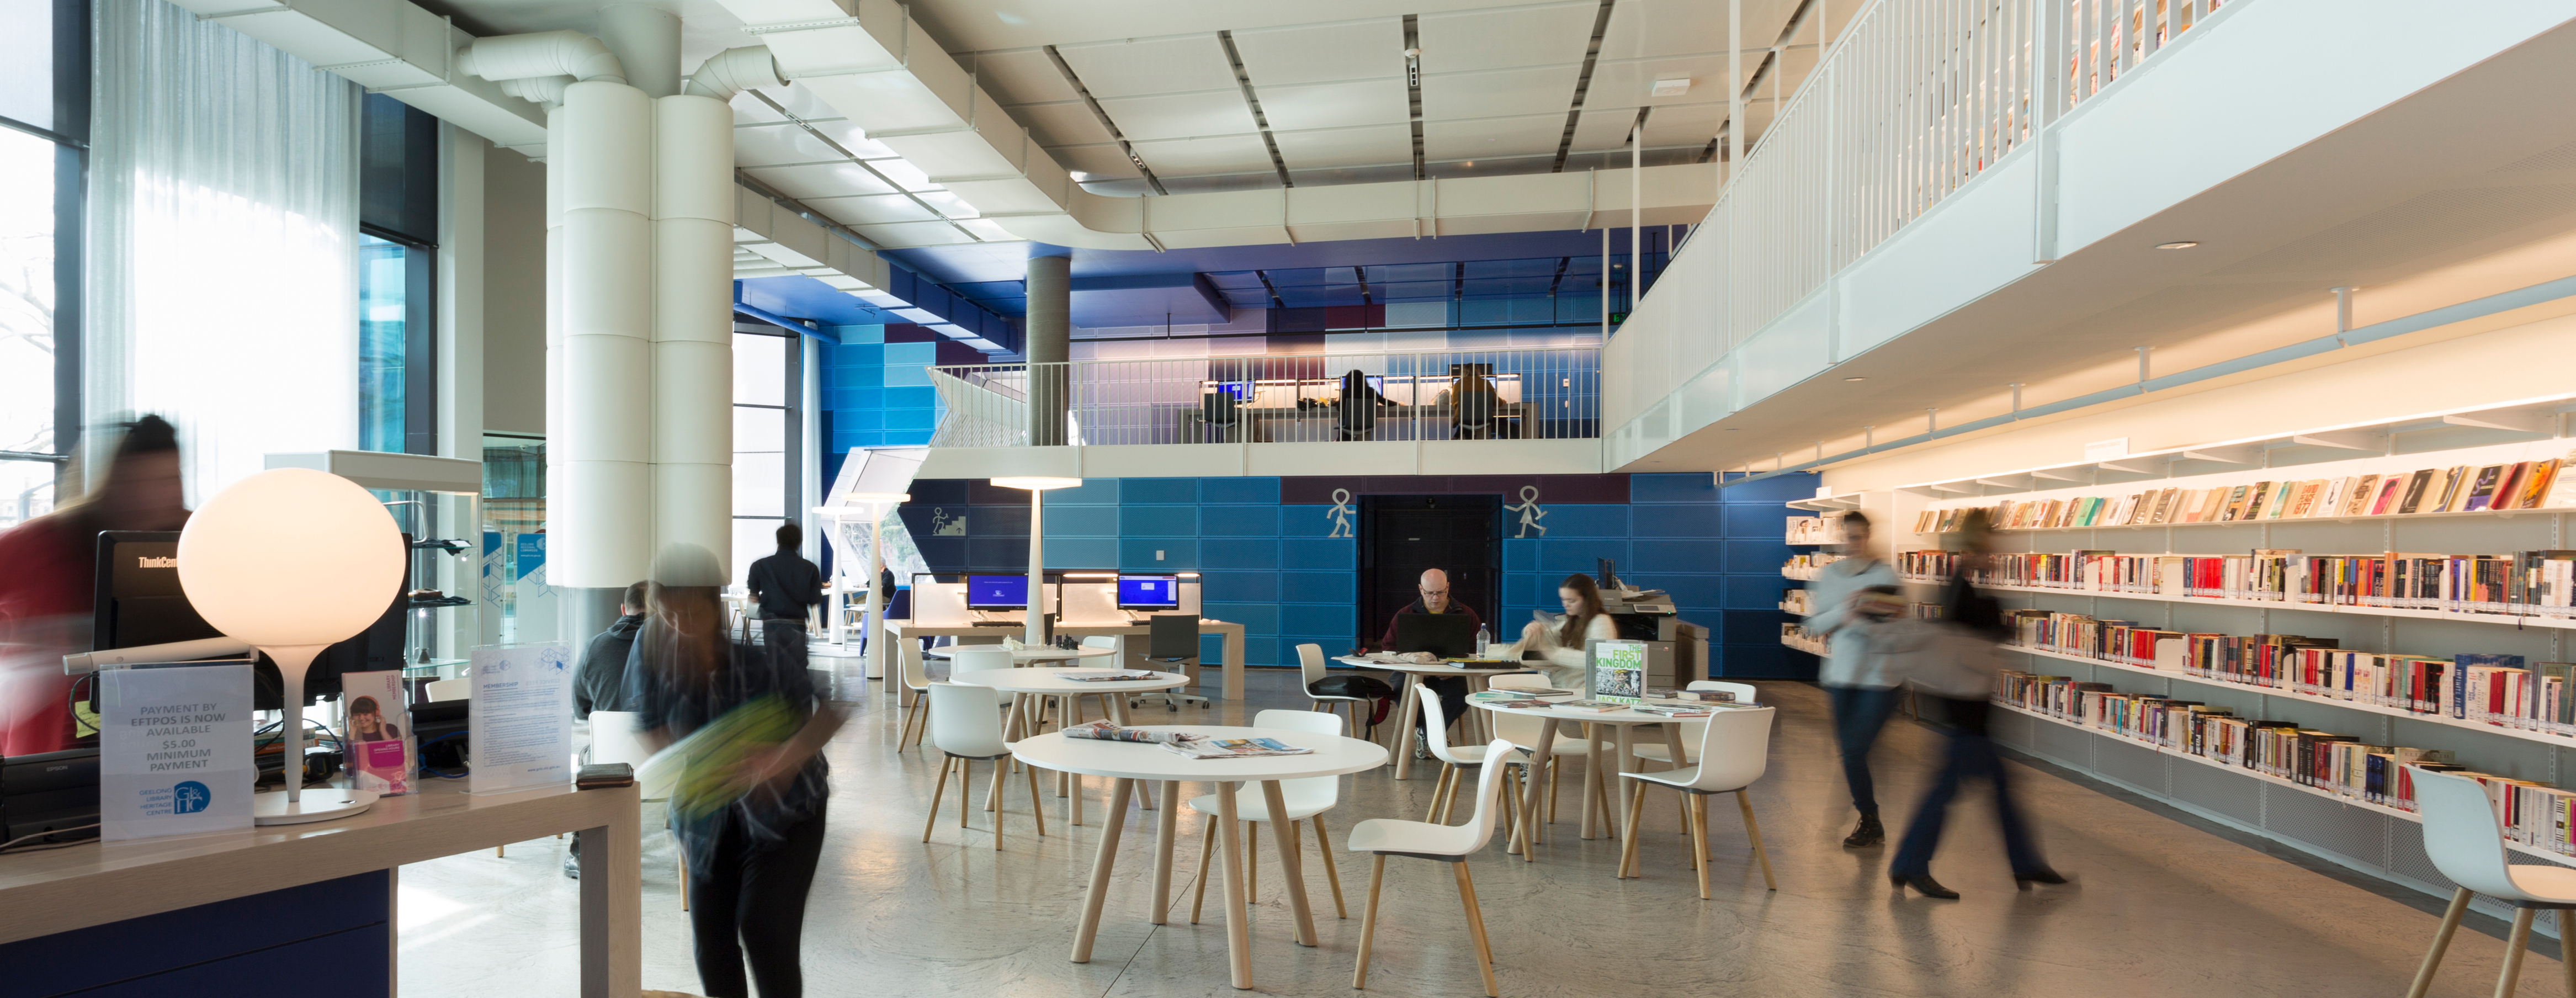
[1484,640]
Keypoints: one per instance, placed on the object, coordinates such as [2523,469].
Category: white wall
[514,294]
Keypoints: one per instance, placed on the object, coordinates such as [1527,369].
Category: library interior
[722,497]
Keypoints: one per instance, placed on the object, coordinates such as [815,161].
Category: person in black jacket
[785,585]
[599,679]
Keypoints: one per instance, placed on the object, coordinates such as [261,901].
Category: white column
[646,40]
[599,432]
[1037,567]
[692,294]
[460,373]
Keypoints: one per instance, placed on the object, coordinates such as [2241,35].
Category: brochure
[1107,732]
[376,721]
[1204,747]
[1108,677]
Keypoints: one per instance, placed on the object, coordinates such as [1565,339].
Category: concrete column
[1048,340]
[599,351]
[692,292]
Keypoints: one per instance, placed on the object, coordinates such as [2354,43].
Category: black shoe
[2024,878]
[1869,833]
[1923,884]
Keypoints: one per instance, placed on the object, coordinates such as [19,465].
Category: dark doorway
[1401,536]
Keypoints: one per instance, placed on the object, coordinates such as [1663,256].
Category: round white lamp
[291,561]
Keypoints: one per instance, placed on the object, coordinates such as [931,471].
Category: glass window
[27,296]
[383,314]
[765,366]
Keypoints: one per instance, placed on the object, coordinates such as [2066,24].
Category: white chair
[1523,730]
[1691,730]
[1733,752]
[1310,665]
[1383,837]
[1453,764]
[2466,843]
[966,727]
[449,689]
[618,736]
[1306,799]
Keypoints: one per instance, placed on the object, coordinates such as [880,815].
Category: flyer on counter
[519,720]
[376,722]
[174,750]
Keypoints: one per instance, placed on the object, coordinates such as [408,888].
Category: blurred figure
[785,586]
[48,570]
[1356,417]
[1861,697]
[1558,651]
[752,832]
[599,679]
[1954,659]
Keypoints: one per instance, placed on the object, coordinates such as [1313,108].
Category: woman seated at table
[1558,651]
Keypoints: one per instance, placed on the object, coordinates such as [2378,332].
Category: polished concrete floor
[2164,904]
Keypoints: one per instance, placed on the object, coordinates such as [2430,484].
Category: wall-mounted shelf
[2494,514]
[1833,504]
[2506,619]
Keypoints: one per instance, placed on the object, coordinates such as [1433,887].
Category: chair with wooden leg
[1452,844]
[1306,799]
[966,728]
[1523,730]
[1318,684]
[2466,844]
[1692,730]
[1454,764]
[1733,752]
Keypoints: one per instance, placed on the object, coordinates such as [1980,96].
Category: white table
[1128,762]
[1024,656]
[1599,816]
[1024,684]
[906,632]
[1412,690]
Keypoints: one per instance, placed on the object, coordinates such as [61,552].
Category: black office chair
[1221,413]
[1173,638]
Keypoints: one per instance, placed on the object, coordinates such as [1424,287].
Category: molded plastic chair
[1733,752]
[2466,843]
[1453,764]
[1307,799]
[966,727]
[1691,731]
[1451,844]
[1523,730]
[1310,664]
[1173,639]
[448,689]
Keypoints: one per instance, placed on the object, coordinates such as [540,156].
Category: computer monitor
[1241,390]
[137,601]
[1149,592]
[997,592]
[1448,635]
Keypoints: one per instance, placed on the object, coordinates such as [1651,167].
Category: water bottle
[1484,640]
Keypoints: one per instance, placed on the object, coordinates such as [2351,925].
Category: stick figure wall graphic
[1530,512]
[1340,514]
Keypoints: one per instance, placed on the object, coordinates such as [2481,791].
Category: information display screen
[997,592]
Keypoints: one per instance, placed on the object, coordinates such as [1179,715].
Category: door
[1402,536]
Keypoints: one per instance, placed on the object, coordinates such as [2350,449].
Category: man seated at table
[1452,690]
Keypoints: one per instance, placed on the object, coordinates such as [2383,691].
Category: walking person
[785,586]
[752,836]
[1954,659]
[1860,697]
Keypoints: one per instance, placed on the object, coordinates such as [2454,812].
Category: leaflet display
[175,755]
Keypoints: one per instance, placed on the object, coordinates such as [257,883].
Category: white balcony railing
[1552,393]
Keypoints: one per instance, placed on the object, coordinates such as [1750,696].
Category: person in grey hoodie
[1860,697]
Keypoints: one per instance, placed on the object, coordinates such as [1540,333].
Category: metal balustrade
[1551,393]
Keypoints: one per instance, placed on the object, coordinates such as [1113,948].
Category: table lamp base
[318,804]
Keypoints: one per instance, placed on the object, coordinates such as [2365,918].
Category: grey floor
[2165,905]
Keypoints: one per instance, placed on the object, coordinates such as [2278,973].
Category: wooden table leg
[1165,831]
[1291,863]
[1118,715]
[612,905]
[1102,863]
[1403,727]
[1238,934]
[1627,761]
[1592,781]
[1537,784]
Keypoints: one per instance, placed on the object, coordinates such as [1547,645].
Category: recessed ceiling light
[1855,379]
[2184,244]
[1672,88]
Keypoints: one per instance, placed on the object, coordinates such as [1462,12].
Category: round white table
[1602,728]
[1412,689]
[1024,656]
[1128,762]
[1042,684]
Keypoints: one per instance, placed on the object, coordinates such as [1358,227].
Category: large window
[767,371]
[397,254]
[44,118]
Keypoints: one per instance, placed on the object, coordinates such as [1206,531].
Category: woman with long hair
[1558,651]
[752,833]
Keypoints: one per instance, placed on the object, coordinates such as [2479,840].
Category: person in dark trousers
[1954,659]
[599,679]
[752,840]
[785,586]
[1860,697]
[1452,690]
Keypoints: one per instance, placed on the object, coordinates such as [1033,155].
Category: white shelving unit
[2506,619]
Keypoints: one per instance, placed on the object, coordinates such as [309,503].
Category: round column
[1048,342]
[692,295]
[601,501]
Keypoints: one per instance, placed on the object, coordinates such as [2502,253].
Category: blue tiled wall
[1273,567]
[875,393]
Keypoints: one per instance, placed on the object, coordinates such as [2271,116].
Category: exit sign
[1618,317]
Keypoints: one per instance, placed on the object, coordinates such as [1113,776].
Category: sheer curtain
[222,256]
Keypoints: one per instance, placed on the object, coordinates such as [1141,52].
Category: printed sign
[377,724]
[174,748]
[1615,670]
[519,722]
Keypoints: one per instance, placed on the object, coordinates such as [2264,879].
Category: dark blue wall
[321,938]
[1273,566]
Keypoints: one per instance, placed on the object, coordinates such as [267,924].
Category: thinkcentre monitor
[137,601]
[1149,592]
[997,592]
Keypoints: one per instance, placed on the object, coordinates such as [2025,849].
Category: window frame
[70,136]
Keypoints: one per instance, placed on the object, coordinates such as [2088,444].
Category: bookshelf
[2515,620]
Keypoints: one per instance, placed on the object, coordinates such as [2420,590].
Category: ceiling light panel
[1181,116]
[1501,39]
[1646,28]
[1213,154]
[1336,105]
[1160,66]
[1485,138]
[1632,81]
[1331,147]
[948,204]
[1684,124]
[779,145]
[1322,53]
[1501,93]
[1018,76]
[1603,128]
[1066,123]
[874,210]
[904,173]
[821,180]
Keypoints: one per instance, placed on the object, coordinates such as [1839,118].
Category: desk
[59,890]
[1128,762]
[1413,673]
[1027,656]
[906,633]
[1621,722]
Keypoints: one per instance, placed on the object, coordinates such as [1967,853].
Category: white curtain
[222,256]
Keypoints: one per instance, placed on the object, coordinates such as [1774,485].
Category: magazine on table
[1596,706]
[1107,732]
[1204,747]
[1518,693]
[1109,677]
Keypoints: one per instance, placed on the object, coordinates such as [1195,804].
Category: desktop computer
[1144,595]
[989,596]
[138,602]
